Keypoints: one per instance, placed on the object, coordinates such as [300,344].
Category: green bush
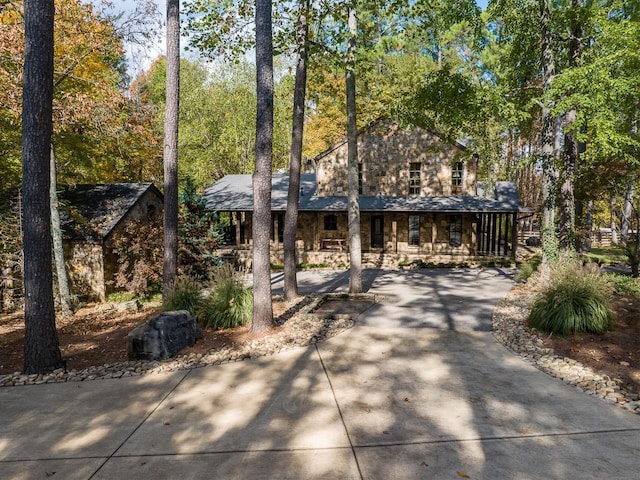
[528,267]
[578,300]
[624,284]
[186,295]
[229,305]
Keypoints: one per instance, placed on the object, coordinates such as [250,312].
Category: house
[92,216]
[419,201]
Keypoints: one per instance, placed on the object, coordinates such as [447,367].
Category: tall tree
[62,279]
[549,171]
[295,158]
[353,206]
[567,222]
[170,259]
[41,346]
[262,318]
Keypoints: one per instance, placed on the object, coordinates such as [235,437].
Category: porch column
[474,236]
[394,235]
[276,239]
[236,218]
[434,233]
[514,236]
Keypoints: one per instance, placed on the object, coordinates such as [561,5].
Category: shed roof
[91,211]
[235,193]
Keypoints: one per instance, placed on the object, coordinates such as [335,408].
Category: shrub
[138,252]
[229,305]
[624,284]
[186,295]
[577,300]
[527,268]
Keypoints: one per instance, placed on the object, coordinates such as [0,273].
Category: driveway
[416,390]
[457,299]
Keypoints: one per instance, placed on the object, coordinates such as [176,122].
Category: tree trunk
[627,209]
[613,225]
[64,295]
[262,318]
[549,175]
[567,223]
[589,225]
[171,116]
[41,348]
[355,246]
[295,159]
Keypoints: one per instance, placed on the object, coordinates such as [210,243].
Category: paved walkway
[381,401]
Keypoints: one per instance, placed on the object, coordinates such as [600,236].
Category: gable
[386,152]
[92,211]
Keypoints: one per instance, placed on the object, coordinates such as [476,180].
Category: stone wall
[92,265]
[85,268]
[386,151]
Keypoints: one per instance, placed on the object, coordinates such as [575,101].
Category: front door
[377,231]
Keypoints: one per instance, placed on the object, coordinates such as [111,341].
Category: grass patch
[117,297]
[606,255]
[311,266]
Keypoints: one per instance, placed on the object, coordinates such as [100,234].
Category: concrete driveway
[459,299]
[380,401]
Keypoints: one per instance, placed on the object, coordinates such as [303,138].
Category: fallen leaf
[166,423]
[462,474]
[406,399]
[50,474]
[424,464]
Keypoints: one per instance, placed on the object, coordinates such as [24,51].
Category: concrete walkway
[381,401]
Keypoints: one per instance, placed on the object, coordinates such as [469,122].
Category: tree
[295,158]
[170,262]
[353,207]
[41,346]
[262,318]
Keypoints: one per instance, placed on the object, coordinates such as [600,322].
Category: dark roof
[91,211]
[234,193]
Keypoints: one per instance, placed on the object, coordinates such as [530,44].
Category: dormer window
[415,169]
[457,170]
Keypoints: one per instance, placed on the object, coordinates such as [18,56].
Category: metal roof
[235,193]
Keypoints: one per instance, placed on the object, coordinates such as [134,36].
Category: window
[456,178]
[414,178]
[360,179]
[455,230]
[330,222]
[414,230]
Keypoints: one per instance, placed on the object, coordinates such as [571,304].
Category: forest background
[545,92]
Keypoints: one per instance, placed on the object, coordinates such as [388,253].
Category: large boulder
[163,336]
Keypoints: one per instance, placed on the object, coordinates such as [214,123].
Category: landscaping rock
[163,336]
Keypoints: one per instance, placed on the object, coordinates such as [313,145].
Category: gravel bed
[302,328]
[510,329]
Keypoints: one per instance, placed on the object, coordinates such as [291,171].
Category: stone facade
[394,162]
[386,152]
[92,264]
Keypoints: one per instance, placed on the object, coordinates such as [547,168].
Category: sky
[140,59]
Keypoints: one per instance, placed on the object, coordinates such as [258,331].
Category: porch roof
[235,193]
